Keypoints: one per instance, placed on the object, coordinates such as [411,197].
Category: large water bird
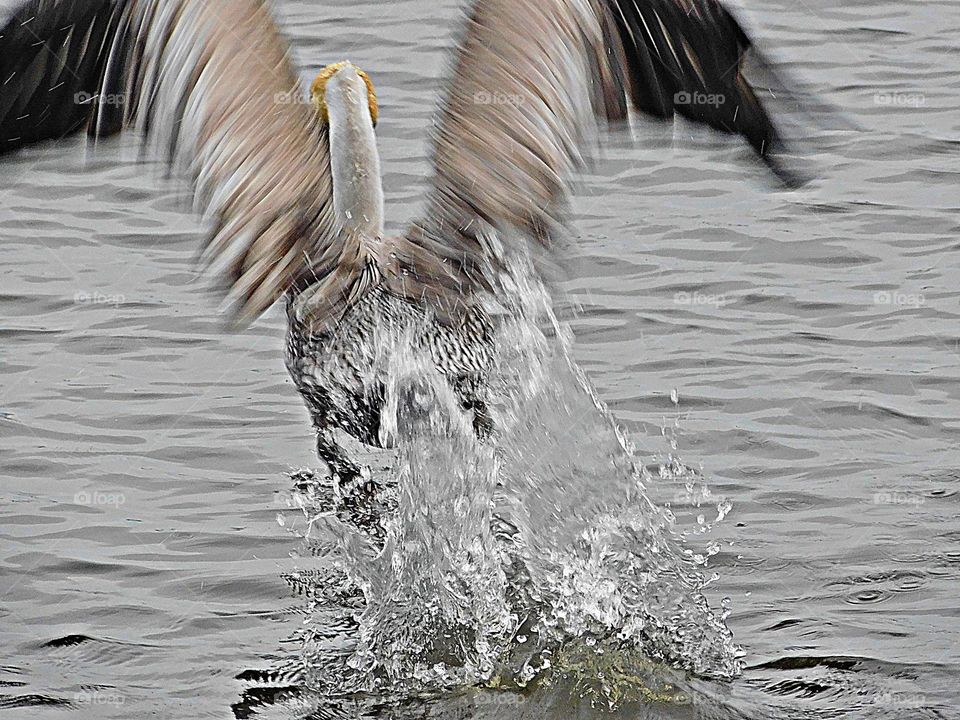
[291,185]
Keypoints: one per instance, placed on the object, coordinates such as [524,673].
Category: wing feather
[219,83]
[530,82]
[210,85]
[51,62]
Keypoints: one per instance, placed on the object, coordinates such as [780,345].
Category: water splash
[497,561]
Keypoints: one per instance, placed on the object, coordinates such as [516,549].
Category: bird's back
[343,369]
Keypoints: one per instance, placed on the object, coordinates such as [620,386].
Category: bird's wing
[210,84]
[689,57]
[52,55]
[529,82]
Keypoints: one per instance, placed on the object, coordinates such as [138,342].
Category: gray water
[808,338]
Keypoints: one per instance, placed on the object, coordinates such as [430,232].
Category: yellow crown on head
[318,91]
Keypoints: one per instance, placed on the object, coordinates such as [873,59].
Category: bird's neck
[354,160]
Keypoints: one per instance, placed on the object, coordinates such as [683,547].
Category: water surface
[809,336]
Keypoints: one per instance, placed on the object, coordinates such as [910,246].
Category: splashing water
[497,561]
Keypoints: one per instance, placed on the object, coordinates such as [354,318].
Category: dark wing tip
[52,60]
[686,57]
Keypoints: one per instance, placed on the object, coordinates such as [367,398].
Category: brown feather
[214,89]
[530,82]
[519,105]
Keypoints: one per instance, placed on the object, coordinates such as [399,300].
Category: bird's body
[293,189]
[341,371]
[339,367]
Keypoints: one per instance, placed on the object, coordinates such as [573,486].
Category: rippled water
[809,336]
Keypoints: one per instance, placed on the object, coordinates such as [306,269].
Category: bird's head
[318,90]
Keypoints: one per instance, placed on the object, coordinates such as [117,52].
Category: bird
[289,178]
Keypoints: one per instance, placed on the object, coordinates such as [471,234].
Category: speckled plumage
[340,370]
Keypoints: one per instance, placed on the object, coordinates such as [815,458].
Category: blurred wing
[688,57]
[528,83]
[52,56]
[211,85]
